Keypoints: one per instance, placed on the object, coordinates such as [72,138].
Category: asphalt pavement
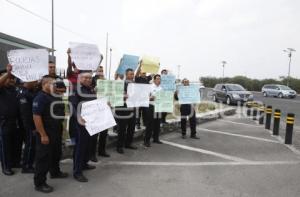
[234,157]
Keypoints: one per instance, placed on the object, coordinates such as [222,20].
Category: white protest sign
[29,64]
[97,115]
[138,95]
[85,56]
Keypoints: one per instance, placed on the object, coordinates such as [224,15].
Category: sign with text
[164,101]
[150,64]
[29,64]
[189,94]
[85,56]
[138,95]
[112,90]
[97,115]
[168,82]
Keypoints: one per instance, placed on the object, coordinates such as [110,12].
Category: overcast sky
[197,34]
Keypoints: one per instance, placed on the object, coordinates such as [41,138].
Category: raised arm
[5,76]
[69,69]
[138,72]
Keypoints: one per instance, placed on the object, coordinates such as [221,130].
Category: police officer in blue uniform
[48,137]
[26,94]
[8,120]
[85,92]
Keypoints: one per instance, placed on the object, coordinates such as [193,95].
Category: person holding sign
[141,77]
[103,135]
[153,123]
[8,119]
[84,93]
[164,114]
[125,118]
[187,110]
[72,76]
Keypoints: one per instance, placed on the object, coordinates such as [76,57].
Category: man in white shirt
[153,123]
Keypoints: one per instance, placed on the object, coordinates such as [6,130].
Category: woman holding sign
[153,123]
[187,110]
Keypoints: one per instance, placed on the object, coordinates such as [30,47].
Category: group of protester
[32,116]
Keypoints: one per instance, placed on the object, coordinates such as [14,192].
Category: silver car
[280,91]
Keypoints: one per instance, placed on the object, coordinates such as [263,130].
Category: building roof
[19,43]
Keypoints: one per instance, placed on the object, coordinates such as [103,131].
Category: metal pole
[106,54]
[110,63]
[52,52]
[223,65]
[289,73]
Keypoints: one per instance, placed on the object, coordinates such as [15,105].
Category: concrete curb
[173,124]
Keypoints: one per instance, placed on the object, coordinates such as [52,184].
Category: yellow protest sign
[150,64]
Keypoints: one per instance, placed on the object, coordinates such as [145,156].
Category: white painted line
[239,123]
[190,164]
[241,136]
[199,150]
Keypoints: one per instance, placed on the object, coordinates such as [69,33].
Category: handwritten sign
[164,101]
[128,61]
[189,94]
[29,64]
[94,110]
[138,95]
[150,64]
[85,56]
[113,91]
[168,82]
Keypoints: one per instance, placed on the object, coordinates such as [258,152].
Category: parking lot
[234,157]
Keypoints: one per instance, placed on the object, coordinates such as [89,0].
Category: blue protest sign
[189,94]
[168,82]
[128,61]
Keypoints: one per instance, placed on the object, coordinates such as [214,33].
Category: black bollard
[268,117]
[254,111]
[249,105]
[261,114]
[276,124]
[289,128]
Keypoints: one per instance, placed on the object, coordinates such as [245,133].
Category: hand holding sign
[28,64]
[85,56]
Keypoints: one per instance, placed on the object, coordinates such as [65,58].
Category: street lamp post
[110,55]
[223,65]
[289,51]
